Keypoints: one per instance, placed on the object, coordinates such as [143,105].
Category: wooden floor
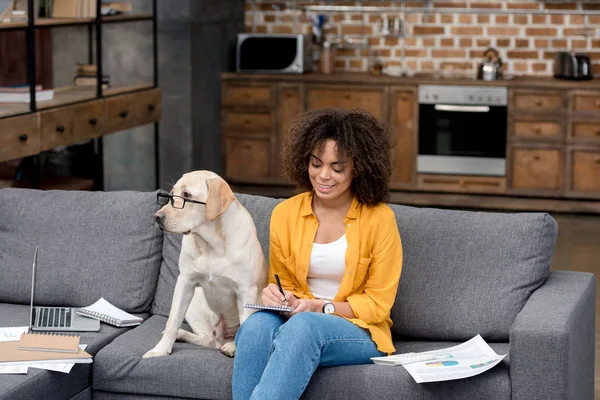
[578,249]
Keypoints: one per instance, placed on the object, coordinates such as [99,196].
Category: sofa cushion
[260,208]
[91,245]
[198,372]
[190,371]
[372,381]
[468,273]
[56,385]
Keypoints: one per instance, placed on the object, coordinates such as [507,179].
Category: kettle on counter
[490,68]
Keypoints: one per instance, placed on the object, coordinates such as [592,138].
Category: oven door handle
[454,108]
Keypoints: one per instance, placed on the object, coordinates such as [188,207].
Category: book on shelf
[90,81]
[106,312]
[39,341]
[87,69]
[74,9]
[18,89]
[23,96]
[18,15]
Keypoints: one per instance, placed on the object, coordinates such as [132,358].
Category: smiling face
[331,174]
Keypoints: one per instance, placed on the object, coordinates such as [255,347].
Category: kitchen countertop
[545,82]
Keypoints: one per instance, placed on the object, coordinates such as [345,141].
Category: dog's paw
[228,349]
[158,351]
[182,335]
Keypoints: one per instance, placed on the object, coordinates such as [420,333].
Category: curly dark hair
[357,134]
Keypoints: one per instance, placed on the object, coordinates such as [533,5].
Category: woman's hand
[303,305]
[271,296]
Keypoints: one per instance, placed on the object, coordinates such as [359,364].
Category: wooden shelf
[57,22]
[127,18]
[69,95]
[10,109]
[120,89]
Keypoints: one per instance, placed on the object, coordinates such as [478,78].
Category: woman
[336,249]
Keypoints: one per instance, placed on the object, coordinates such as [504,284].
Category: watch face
[329,308]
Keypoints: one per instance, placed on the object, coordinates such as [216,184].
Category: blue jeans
[275,358]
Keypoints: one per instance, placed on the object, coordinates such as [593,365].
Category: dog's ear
[220,196]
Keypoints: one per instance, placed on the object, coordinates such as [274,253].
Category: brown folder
[10,353]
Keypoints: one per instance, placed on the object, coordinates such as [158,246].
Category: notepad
[106,312]
[10,354]
[272,308]
[49,342]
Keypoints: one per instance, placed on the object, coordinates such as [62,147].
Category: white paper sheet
[12,334]
[13,369]
[56,366]
[463,361]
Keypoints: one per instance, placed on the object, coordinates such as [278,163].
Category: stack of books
[74,9]
[33,348]
[86,76]
[20,94]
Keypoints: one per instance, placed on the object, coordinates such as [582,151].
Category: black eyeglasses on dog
[176,201]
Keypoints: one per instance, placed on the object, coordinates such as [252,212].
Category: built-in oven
[462,130]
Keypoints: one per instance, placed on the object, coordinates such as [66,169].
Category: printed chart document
[463,361]
[12,334]
[65,368]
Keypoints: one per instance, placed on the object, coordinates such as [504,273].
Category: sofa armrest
[552,340]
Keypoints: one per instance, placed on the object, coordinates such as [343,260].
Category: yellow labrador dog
[221,265]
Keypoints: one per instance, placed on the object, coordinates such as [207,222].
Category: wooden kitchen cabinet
[585,132]
[537,100]
[252,122]
[247,159]
[536,137]
[586,102]
[19,136]
[56,128]
[536,169]
[584,172]
[552,152]
[291,104]
[537,129]
[89,120]
[247,94]
[404,108]
[249,125]
[371,99]
[462,183]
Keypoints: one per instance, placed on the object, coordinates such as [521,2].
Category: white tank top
[326,268]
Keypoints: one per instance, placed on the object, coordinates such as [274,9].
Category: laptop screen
[32,287]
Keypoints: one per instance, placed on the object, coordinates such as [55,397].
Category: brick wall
[452,43]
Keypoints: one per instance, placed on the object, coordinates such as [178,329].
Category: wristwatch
[328,307]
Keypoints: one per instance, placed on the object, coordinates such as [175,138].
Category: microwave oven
[274,53]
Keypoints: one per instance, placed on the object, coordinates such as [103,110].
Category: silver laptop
[61,319]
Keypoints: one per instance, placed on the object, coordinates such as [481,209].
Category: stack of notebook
[53,347]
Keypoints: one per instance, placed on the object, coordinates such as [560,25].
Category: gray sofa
[465,273]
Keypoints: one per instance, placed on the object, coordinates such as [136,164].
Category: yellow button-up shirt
[373,260]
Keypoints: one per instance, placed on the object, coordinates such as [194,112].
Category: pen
[280,289]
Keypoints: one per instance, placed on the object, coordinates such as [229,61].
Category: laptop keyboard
[54,317]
